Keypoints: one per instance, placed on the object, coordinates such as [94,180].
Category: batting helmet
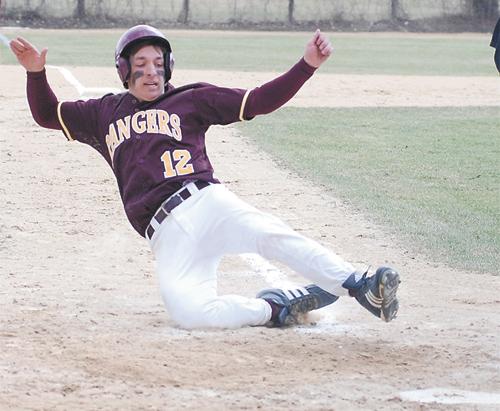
[136,35]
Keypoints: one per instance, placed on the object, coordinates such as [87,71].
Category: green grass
[264,51]
[431,174]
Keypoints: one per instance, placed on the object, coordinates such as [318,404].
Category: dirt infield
[83,326]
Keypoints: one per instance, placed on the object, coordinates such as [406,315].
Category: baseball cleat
[288,305]
[377,293]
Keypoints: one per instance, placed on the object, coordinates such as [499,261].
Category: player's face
[147,75]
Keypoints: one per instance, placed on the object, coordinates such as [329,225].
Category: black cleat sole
[388,288]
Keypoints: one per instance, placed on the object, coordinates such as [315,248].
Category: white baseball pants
[213,222]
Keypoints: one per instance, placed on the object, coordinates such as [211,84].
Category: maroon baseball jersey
[155,147]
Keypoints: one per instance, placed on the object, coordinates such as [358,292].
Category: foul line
[80,88]
[273,276]
[450,396]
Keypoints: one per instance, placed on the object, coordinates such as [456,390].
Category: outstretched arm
[274,94]
[41,99]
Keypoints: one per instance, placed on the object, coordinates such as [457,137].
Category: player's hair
[139,45]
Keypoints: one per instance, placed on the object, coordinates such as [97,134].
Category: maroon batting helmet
[134,36]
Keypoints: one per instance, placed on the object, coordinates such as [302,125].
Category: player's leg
[187,255]
[250,230]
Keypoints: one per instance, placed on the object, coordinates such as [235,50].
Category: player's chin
[150,93]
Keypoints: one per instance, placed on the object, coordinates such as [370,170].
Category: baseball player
[153,137]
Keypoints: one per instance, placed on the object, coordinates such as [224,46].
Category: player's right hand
[28,55]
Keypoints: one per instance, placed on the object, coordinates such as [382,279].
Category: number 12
[176,163]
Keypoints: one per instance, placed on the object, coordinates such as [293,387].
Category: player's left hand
[318,50]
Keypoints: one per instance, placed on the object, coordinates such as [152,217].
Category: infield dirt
[83,325]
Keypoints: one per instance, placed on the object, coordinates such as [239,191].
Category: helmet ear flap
[123,67]
[169,65]
[171,61]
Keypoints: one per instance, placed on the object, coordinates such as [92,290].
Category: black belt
[170,203]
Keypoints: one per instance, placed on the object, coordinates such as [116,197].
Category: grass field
[430,175]
[369,53]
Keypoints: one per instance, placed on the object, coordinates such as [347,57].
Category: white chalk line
[273,276]
[80,88]
[450,396]
[4,40]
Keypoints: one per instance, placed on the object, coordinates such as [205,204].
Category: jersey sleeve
[42,100]
[219,105]
[275,93]
[79,120]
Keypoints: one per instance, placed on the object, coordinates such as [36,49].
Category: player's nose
[150,69]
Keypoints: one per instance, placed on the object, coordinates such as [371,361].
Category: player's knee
[191,310]
[193,313]
[193,316]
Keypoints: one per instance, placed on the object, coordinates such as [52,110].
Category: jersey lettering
[163,120]
[138,125]
[150,121]
[123,126]
[176,124]
[182,166]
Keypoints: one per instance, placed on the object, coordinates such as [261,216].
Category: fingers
[43,54]
[316,35]
[26,44]
[16,47]
[20,45]
[326,49]
[322,43]
[318,49]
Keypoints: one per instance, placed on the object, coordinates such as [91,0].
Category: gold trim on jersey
[65,129]
[243,103]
